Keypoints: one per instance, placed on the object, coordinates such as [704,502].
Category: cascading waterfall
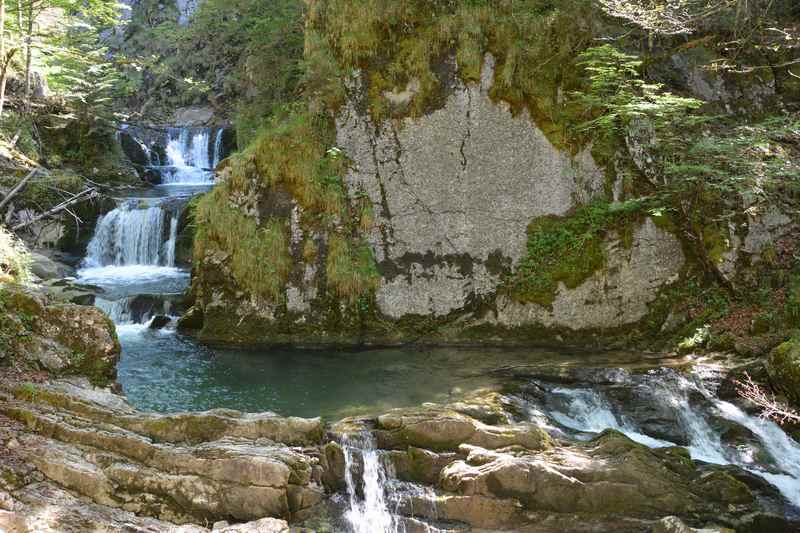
[189,158]
[370,514]
[588,411]
[131,236]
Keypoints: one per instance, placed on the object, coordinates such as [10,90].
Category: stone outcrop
[186,468]
[783,368]
[42,331]
[454,193]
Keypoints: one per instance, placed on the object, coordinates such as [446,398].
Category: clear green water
[163,372]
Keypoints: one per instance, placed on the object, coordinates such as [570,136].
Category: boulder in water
[159,321]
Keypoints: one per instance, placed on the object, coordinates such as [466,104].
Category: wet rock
[152,176]
[191,320]
[135,149]
[610,475]
[442,429]
[46,268]
[159,322]
[419,465]
[265,525]
[673,524]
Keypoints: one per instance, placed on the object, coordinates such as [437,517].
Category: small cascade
[189,157]
[179,156]
[129,235]
[586,410]
[218,147]
[369,514]
[169,246]
[119,311]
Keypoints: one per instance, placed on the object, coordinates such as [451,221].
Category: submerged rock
[159,321]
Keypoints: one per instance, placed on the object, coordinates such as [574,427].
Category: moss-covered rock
[783,367]
[36,331]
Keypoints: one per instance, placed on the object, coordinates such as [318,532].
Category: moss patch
[569,249]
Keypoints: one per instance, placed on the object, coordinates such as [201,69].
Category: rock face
[189,468]
[453,194]
[473,467]
[456,190]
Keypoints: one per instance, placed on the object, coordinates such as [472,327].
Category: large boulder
[55,336]
[46,268]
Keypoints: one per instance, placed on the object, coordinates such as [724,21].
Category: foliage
[618,98]
[350,269]
[259,253]
[291,154]
[534,43]
[242,56]
[568,249]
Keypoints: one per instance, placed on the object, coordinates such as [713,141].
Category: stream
[132,257]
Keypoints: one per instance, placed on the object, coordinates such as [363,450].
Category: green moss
[259,253]
[783,366]
[534,42]
[292,154]
[568,249]
[351,269]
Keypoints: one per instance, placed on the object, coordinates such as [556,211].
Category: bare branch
[771,408]
[86,194]
[19,186]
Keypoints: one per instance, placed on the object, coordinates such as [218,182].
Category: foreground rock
[41,331]
[81,459]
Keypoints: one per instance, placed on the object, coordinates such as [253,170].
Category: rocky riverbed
[79,458]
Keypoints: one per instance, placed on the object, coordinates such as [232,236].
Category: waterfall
[587,410]
[370,514]
[169,246]
[188,157]
[218,147]
[119,311]
[129,236]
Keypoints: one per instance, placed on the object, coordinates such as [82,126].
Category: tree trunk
[3,76]
[28,57]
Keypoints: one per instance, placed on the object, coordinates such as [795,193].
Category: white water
[370,514]
[589,411]
[129,235]
[189,159]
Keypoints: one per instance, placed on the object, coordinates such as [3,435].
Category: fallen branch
[770,407]
[18,187]
[86,194]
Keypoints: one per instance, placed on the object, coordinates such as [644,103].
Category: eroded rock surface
[80,458]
